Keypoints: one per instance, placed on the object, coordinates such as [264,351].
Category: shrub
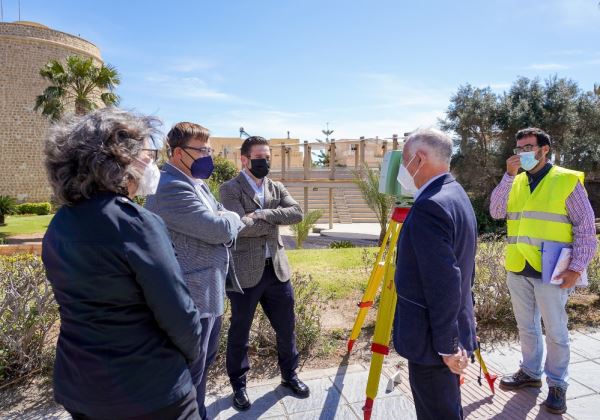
[40,209]
[224,171]
[301,230]
[27,314]
[341,244]
[308,321]
[7,206]
[492,298]
[593,272]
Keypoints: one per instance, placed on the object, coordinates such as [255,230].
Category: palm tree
[367,181]
[80,83]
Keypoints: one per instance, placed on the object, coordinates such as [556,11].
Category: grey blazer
[202,238]
[279,209]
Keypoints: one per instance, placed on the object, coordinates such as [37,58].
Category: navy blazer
[128,323]
[435,268]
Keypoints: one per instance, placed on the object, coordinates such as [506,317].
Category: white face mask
[407,180]
[149,182]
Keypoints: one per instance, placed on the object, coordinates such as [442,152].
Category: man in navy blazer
[434,324]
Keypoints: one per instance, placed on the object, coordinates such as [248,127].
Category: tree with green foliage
[483,125]
[302,229]
[224,171]
[79,83]
[8,206]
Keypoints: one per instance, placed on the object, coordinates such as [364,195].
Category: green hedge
[40,209]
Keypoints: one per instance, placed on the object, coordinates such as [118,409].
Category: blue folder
[550,253]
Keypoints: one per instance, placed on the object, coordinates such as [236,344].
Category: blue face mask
[202,168]
[528,160]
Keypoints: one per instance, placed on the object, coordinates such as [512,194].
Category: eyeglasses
[151,153]
[526,148]
[206,151]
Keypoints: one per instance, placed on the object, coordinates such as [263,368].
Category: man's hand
[457,362]
[513,164]
[256,215]
[569,278]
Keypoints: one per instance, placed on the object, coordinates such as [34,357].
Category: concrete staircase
[318,199]
[348,204]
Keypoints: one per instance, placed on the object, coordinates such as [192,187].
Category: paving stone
[575,390]
[340,370]
[584,408]
[342,412]
[586,345]
[353,386]
[212,406]
[503,360]
[322,393]
[576,357]
[265,403]
[587,373]
[396,407]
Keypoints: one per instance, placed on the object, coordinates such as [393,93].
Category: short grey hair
[434,140]
[92,153]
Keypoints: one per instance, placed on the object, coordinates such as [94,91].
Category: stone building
[24,49]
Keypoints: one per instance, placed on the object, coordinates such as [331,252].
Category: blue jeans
[533,301]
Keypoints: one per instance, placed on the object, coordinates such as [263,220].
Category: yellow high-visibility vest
[539,217]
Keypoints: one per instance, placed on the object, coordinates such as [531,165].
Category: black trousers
[436,391]
[277,300]
[184,409]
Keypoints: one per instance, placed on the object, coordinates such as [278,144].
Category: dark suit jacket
[128,323]
[434,273]
[279,209]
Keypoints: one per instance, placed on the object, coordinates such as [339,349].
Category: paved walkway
[338,393]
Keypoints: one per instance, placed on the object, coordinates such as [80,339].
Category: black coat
[128,324]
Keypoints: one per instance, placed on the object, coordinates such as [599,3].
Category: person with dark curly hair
[129,327]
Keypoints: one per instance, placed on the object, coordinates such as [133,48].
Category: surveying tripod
[383,272]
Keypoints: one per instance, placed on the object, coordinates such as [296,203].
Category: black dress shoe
[298,387]
[240,399]
[519,380]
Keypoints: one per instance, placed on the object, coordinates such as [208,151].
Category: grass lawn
[23,225]
[339,272]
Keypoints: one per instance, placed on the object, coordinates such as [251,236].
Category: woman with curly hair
[128,325]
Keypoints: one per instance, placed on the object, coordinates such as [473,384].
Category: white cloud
[190,64]
[186,87]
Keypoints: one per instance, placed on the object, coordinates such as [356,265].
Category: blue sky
[369,68]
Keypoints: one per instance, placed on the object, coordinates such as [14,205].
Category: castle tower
[25,47]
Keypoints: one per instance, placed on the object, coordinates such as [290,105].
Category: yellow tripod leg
[375,280]
[383,326]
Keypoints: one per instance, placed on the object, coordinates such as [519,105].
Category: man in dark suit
[262,268]
[434,325]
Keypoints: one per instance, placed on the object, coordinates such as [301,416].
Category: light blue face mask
[528,160]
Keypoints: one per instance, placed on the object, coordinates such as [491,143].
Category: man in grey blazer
[262,268]
[202,231]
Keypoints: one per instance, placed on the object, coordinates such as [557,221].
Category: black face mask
[259,168]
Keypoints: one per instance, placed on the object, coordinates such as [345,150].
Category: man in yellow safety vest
[543,205]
